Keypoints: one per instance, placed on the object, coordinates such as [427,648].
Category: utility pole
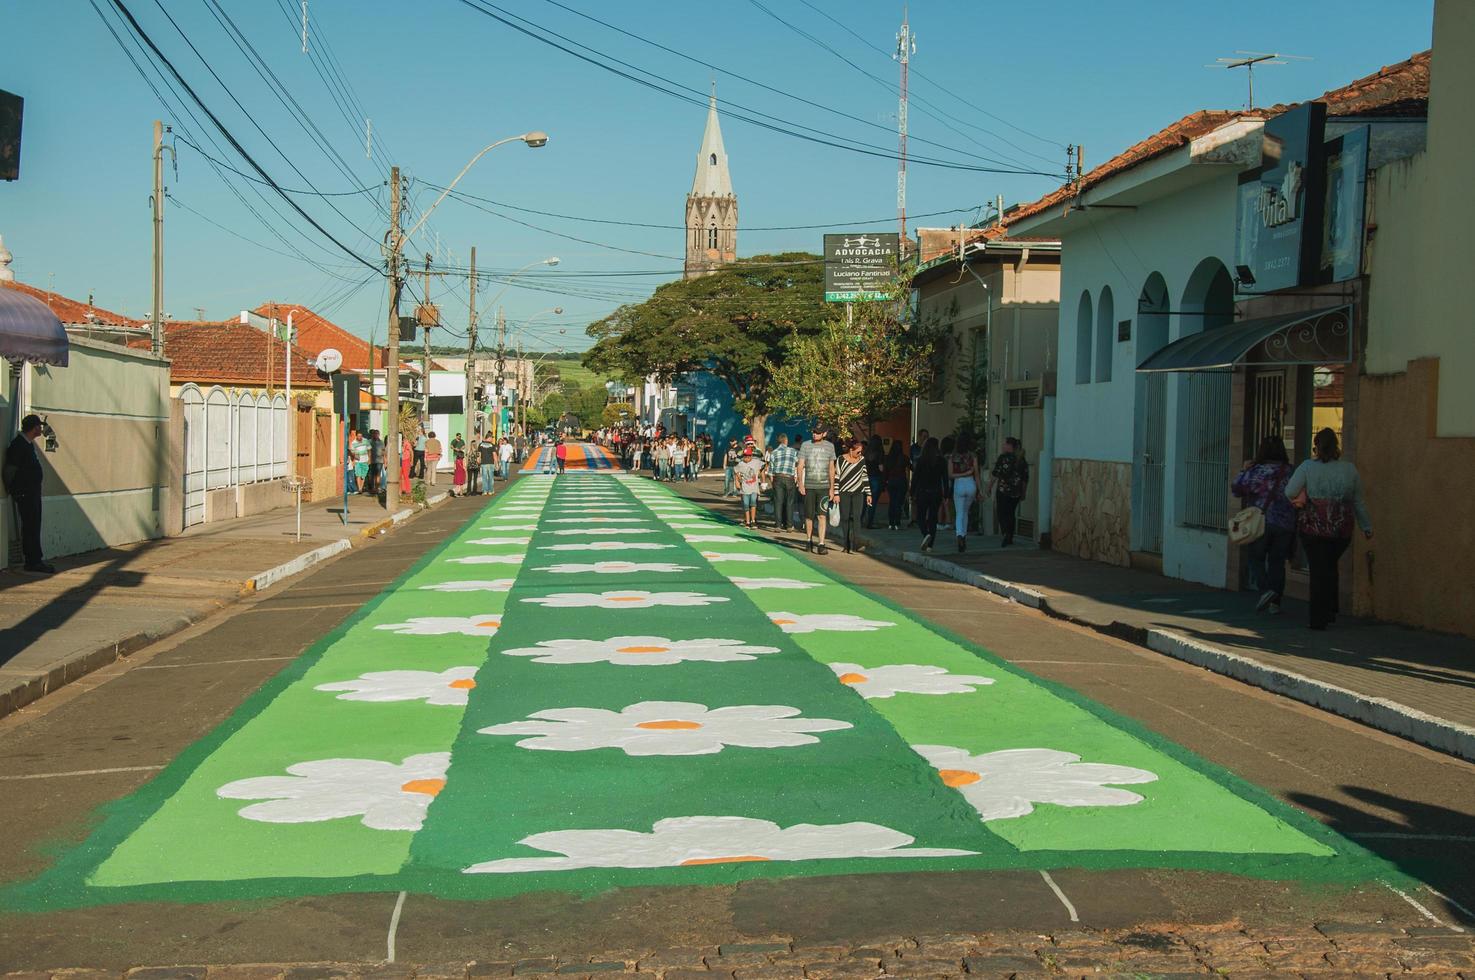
[906,46]
[156,321]
[391,368]
[471,351]
[425,360]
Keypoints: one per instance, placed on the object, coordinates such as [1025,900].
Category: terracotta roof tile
[316,333]
[1401,89]
[70,311]
[226,352]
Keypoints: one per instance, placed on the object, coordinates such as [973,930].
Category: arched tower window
[712,237]
[712,159]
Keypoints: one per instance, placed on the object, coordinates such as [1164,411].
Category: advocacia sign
[860,266]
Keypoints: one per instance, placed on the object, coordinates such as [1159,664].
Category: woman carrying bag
[853,482]
[1328,492]
[1262,485]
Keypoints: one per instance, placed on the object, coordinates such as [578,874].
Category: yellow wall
[1421,252]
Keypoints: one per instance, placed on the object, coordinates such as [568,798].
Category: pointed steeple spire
[712,178]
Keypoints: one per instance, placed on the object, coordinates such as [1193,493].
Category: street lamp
[397,238]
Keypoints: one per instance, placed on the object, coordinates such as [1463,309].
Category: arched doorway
[1149,442]
[1083,339]
[1203,405]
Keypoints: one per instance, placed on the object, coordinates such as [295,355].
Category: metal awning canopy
[1322,336]
[29,331]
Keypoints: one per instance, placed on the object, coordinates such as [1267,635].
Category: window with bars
[1204,421]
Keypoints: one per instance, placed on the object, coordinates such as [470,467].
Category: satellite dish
[329,360]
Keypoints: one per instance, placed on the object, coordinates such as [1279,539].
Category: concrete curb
[301,563]
[1380,713]
[33,689]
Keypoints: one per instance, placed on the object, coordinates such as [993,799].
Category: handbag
[834,513]
[1247,527]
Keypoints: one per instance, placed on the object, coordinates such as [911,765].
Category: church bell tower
[711,207]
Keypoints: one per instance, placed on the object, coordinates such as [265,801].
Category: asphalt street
[67,761]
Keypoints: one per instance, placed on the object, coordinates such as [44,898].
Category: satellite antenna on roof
[1248,60]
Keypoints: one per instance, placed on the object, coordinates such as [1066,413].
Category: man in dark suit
[22,472]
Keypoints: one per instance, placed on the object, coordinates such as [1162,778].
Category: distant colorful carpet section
[582,456]
[596,683]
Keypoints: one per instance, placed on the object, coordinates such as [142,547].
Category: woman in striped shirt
[854,486]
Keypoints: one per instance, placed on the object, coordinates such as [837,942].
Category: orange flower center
[429,787]
[626,598]
[464,684]
[785,622]
[853,678]
[958,777]
[494,623]
[669,726]
[735,859]
[643,650]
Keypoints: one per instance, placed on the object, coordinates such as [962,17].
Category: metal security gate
[1269,409]
[1151,473]
[1206,450]
[194,455]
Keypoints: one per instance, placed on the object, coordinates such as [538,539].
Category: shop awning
[1321,336]
[29,331]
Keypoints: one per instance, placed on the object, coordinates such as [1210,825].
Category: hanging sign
[1278,240]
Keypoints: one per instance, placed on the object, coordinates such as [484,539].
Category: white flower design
[644,651]
[603,530]
[614,567]
[509,527]
[598,520]
[492,541]
[667,728]
[883,682]
[387,795]
[489,560]
[608,546]
[626,599]
[736,556]
[696,525]
[483,625]
[448,687]
[1008,783]
[472,585]
[829,622]
[691,841]
[712,539]
[743,582]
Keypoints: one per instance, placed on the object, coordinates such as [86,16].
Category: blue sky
[440,81]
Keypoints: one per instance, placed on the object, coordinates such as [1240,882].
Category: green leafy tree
[617,412]
[853,373]
[736,323]
[973,367]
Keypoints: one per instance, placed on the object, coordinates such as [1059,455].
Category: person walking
[875,456]
[458,460]
[1262,483]
[1010,477]
[729,482]
[929,476]
[417,466]
[1328,492]
[852,480]
[432,458]
[814,474]
[350,470]
[896,469]
[781,464]
[963,472]
[560,453]
[486,460]
[678,460]
[749,477]
[406,465]
[23,477]
[504,457]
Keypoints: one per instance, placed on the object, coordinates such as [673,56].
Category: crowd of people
[670,458]
[823,482]
[475,465]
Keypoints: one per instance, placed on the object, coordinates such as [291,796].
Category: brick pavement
[1324,950]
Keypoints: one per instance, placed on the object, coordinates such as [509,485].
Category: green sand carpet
[596,683]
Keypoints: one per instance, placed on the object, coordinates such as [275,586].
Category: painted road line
[1071,909]
[1422,910]
[83,772]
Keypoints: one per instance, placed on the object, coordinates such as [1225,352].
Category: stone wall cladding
[1092,514]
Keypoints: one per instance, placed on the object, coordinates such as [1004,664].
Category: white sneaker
[1266,599]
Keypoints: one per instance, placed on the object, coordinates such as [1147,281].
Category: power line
[700,99]
[312,193]
[245,155]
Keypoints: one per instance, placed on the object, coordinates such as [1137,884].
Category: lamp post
[397,239]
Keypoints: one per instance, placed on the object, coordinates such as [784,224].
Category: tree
[616,413]
[973,367]
[735,323]
[852,373]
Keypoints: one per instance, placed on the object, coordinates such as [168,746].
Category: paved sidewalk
[1411,683]
[106,604]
